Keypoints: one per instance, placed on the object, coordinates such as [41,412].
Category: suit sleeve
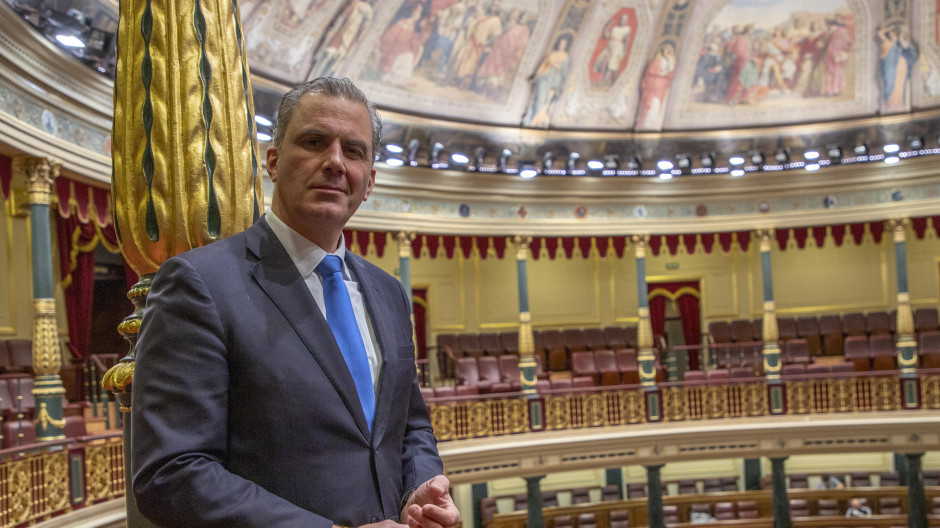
[180,416]
[420,459]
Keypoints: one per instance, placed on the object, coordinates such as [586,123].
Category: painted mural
[272,27]
[925,77]
[457,54]
[772,60]
[612,49]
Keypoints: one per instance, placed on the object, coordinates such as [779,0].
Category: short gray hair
[333,87]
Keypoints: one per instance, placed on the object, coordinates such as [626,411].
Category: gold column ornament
[41,173]
[527,365]
[771,334]
[906,344]
[47,357]
[404,239]
[646,359]
[186,165]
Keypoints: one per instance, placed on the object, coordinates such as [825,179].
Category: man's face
[323,170]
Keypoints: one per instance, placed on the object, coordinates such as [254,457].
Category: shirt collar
[305,254]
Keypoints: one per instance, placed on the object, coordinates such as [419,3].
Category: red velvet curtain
[77,243]
[686,294]
[658,315]
[691,324]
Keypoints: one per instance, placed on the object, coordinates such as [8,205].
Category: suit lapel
[378,307]
[277,275]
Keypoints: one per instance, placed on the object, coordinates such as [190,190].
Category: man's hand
[431,506]
[383,524]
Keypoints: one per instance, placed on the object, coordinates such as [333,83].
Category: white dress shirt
[307,256]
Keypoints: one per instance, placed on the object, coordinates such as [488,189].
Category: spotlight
[782,155]
[834,152]
[891,160]
[635,163]
[683,161]
[70,41]
[413,147]
[757,157]
[665,176]
[612,162]
[503,159]
[891,148]
[460,159]
[812,167]
[478,155]
[527,170]
[394,162]
[811,155]
[262,136]
[665,165]
[572,163]
[264,121]
[736,160]
[435,154]
[737,173]
[595,165]
[548,159]
[708,160]
[861,149]
[916,142]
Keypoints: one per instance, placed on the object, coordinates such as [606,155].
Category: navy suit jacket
[244,412]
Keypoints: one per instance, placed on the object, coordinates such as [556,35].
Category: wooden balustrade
[638,513]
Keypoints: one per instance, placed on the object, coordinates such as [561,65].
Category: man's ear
[271,164]
[370,185]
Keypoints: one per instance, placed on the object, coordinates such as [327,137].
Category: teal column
[654,497]
[47,356]
[907,346]
[916,501]
[526,339]
[477,493]
[644,329]
[776,394]
[534,502]
[780,502]
[404,273]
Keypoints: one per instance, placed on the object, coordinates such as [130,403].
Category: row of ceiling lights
[612,165]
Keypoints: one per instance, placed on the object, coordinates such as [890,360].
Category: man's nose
[334,158]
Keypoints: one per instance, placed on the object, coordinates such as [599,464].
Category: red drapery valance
[6,174]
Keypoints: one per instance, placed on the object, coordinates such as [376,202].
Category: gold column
[770,332]
[527,366]
[185,160]
[644,330]
[906,345]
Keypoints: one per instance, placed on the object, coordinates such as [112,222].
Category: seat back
[488,509]
[630,334]
[687,487]
[574,339]
[580,496]
[564,521]
[793,370]
[796,351]
[671,514]
[807,325]
[741,372]
[469,345]
[449,341]
[509,368]
[889,478]
[612,492]
[467,372]
[854,323]
[587,520]
[878,323]
[757,329]
[889,506]
[489,369]
[607,368]
[18,432]
[720,331]
[491,345]
[549,498]
[5,361]
[860,479]
[725,511]
[717,375]
[741,330]
[21,355]
[693,376]
[636,490]
[594,338]
[619,519]
[582,364]
[798,481]
[926,319]
[828,507]
[883,353]
[510,342]
[799,508]
[786,328]
[747,509]
[615,337]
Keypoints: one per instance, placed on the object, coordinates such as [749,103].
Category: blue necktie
[342,321]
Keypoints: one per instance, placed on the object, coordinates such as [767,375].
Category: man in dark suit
[247,410]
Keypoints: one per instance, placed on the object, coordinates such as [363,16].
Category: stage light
[503,160]
[891,148]
[394,162]
[811,167]
[736,160]
[527,170]
[70,41]
[683,162]
[782,155]
[413,147]
[861,149]
[737,173]
[891,160]
[635,163]
[478,156]
[708,160]
[612,162]
[459,158]
[572,163]
[435,153]
[757,157]
[595,165]
[834,152]
[263,137]
[665,176]
[264,121]
[665,165]
[811,155]
[916,142]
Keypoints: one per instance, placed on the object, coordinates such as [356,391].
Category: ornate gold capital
[522,246]
[765,235]
[639,245]
[41,172]
[404,239]
[899,227]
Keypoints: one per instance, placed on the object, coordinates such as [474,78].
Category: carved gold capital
[404,239]
[899,227]
[40,173]
[522,246]
[47,359]
[765,235]
[639,245]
